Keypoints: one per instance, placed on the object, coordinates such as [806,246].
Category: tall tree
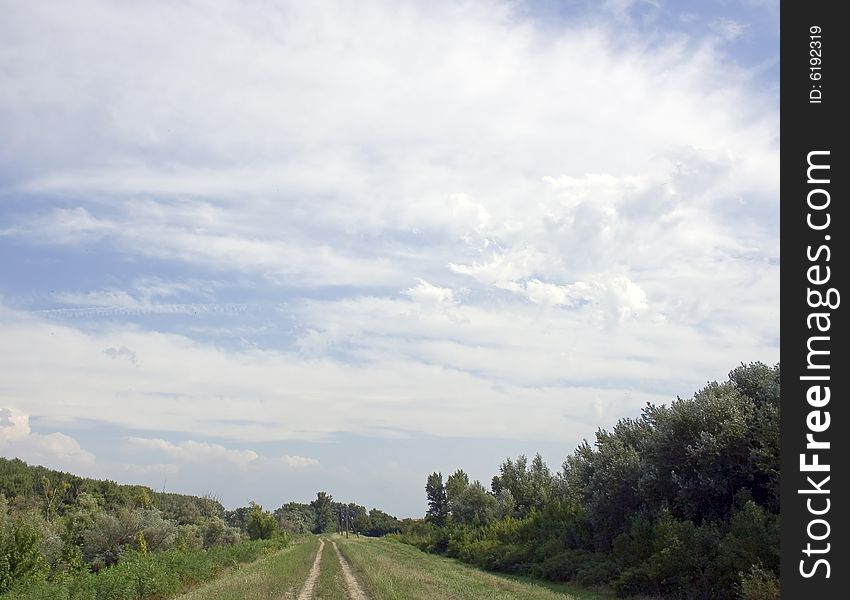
[438,502]
[456,485]
[323,507]
[475,505]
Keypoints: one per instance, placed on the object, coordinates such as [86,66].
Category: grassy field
[386,569]
[390,570]
[272,578]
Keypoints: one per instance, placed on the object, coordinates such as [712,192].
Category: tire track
[355,592]
[313,576]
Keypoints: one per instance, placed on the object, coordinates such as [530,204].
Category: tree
[295,517]
[506,504]
[438,502]
[238,518]
[53,495]
[456,485]
[381,523]
[20,557]
[323,507]
[475,506]
[530,486]
[261,523]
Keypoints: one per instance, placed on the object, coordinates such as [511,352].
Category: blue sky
[263,249]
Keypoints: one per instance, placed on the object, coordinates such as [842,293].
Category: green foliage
[295,517]
[475,505]
[438,501]
[189,510]
[758,584]
[112,533]
[24,486]
[456,485]
[379,523]
[145,576]
[324,512]
[21,560]
[682,502]
[530,486]
[261,524]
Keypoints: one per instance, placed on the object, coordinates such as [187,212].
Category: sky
[260,249]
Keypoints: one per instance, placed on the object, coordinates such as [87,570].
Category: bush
[634,581]
[758,584]
[596,570]
[111,534]
[145,576]
[21,560]
[261,524]
[560,567]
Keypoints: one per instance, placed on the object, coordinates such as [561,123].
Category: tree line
[680,502]
[64,536]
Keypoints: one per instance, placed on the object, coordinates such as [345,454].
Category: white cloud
[194,454]
[396,366]
[390,144]
[616,296]
[299,462]
[55,450]
[501,219]
[728,29]
[425,293]
[191,451]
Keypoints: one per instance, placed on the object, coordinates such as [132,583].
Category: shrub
[21,560]
[758,584]
[144,576]
[261,524]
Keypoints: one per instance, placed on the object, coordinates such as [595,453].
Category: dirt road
[310,582]
[355,592]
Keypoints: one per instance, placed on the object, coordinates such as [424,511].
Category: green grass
[139,576]
[269,578]
[571,589]
[391,570]
[330,585]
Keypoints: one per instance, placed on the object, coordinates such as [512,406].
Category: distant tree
[475,505]
[381,523]
[531,486]
[438,503]
[53,495]
[261,523]
[506,505]
[295,517]
[456,485]
[238,518]
[323,507]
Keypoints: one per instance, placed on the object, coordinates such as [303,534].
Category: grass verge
[142,576]
[272,578]
[391,570]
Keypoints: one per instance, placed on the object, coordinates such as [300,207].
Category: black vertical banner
[815,224]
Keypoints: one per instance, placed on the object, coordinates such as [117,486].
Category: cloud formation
[300,221]
[57,449]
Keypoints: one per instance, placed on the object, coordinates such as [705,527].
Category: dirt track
[355,592]
[313,577]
